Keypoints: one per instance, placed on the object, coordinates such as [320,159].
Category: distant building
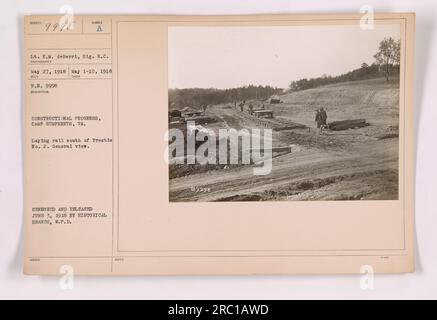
[175,113]
[275,99]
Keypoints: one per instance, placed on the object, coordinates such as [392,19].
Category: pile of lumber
[263,113]
[347,124]
[201,119]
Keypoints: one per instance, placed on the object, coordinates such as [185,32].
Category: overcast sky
[227,57]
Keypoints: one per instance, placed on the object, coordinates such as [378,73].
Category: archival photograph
[283,113]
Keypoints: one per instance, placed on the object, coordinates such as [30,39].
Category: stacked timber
[347,124]
[201,119]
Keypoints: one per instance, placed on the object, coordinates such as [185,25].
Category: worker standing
[324,116]
[321,118]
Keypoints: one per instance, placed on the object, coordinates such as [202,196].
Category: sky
[229,57]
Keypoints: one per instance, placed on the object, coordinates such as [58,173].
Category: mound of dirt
[374,100]
[359,186]
[312,140]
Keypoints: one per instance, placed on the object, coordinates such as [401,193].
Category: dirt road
[330,173]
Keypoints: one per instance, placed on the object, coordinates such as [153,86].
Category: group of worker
[251,108]
[320,119]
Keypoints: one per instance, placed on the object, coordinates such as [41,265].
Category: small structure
[275,99]
[175,113]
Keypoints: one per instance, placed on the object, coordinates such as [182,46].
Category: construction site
[353,157]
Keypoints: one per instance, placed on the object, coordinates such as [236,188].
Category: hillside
[359,163]
[376,100]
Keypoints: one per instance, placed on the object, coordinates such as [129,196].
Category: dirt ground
[337,165]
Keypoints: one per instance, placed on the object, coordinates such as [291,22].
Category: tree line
[387,61]
[196,97]
[365,72]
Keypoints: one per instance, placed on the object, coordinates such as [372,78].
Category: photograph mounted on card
[270,144]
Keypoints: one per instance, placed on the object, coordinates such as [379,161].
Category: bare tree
[388,54]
